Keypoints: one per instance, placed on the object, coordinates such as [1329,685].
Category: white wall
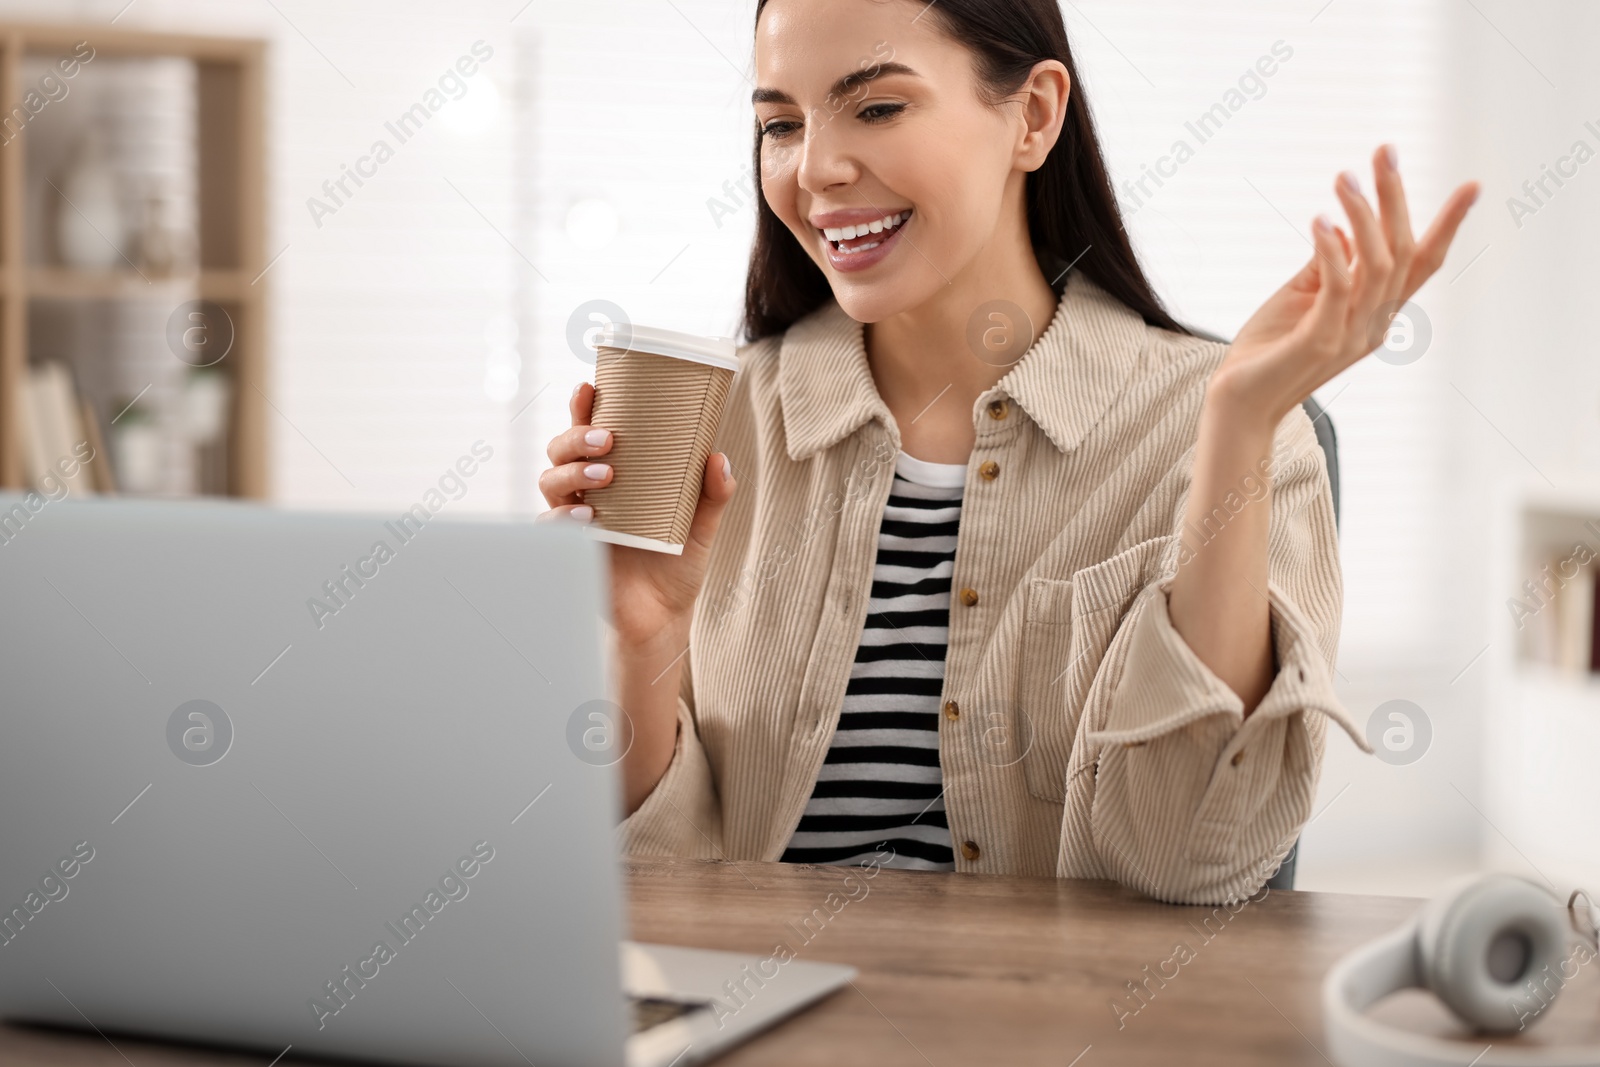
[390,316]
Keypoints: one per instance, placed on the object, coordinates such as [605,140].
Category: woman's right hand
[652,593]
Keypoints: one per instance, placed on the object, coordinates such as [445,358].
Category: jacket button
[969,597]
[952,710]
[1238,758]
[998,409]
[969,849]
[990,470]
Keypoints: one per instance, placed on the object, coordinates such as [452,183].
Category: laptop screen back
[309,780]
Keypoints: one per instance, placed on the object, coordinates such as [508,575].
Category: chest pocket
[1068,625]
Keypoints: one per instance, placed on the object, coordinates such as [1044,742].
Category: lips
[856,239]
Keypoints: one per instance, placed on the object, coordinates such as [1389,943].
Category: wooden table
[966,969]
[963,969]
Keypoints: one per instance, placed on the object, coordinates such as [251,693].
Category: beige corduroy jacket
[1080,735]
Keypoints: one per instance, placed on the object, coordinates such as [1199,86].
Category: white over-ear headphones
[1496,949]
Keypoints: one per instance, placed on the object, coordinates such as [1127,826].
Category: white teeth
[845,233]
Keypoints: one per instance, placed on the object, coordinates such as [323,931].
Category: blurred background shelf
[131,256]
[1556,604]
[67,283]
[1542,716]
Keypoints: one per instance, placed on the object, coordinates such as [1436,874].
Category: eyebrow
[840,88]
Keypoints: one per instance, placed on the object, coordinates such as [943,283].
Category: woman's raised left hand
[1337,309]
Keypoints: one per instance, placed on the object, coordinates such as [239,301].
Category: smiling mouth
[864,236]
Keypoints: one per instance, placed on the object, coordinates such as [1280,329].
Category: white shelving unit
[1542,726]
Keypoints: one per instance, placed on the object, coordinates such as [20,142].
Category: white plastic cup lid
[716,351]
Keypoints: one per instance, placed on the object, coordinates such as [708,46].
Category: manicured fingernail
[583,513]
[1322,224]
[1391,156]
[575,389]
[596,471]
[1351,182]
[727,468]
[595,438]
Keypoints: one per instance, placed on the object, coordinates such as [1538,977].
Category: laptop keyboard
[647,1012]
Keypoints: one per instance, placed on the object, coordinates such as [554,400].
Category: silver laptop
[332,784]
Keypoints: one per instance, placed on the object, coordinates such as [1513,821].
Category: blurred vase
[138,447]
[90,226]
[163,248]
[206,397]
[205,402]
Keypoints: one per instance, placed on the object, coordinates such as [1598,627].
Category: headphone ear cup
[1479,947]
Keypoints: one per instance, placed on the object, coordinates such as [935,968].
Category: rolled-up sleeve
[682,815]
[1193,802]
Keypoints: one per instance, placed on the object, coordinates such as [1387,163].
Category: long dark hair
[1072,212]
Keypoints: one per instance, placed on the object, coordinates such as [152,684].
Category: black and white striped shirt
[880,789]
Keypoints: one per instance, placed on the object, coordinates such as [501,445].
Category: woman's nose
[825,161]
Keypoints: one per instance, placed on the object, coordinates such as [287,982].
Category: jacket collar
[1065,382]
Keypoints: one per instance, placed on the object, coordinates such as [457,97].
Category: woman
[1024,576]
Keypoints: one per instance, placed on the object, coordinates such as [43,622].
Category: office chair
[1323,426]
[1284,879]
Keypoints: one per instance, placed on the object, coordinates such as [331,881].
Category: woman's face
[904,150]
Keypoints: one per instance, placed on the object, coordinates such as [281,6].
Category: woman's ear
[1044,107]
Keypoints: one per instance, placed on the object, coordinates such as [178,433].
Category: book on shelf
[60,437]
[100,465]
[1594,623]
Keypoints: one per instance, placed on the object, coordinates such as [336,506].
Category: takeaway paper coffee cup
[660,394]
